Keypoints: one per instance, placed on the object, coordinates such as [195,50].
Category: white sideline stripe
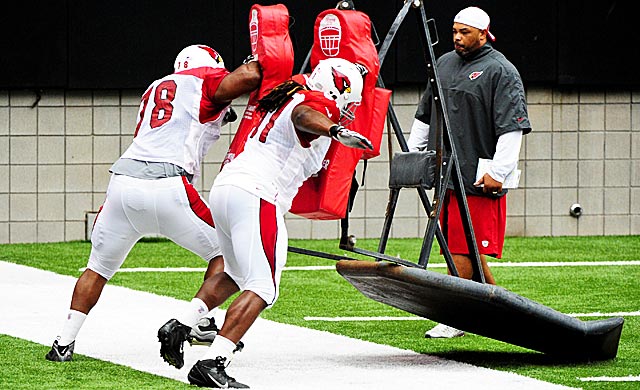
[564,263]
[123,326]
[382,318]
[629,378]
[189,269]
[339,319]
[614,314]
[436,265]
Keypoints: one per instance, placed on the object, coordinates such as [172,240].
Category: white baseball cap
[475,17]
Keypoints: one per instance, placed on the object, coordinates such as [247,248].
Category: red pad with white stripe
[270,41]
[345,34]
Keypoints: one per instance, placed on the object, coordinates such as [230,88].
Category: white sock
[221,346]
[71,327]
[212,312]
[196,310]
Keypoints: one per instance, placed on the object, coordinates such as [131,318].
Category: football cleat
[203,332]
[211,373]
[172,336]
[442,331]
[60,353]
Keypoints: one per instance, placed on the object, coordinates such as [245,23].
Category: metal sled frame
[443,176]
[469,305]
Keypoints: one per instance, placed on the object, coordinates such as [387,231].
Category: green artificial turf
[581,289]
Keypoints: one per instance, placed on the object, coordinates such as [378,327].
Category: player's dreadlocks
[279,95]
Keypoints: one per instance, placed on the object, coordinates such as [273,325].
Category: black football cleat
[172,336]
[60,353]
[211,373]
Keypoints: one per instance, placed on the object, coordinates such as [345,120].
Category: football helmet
[341,81]
[197,56]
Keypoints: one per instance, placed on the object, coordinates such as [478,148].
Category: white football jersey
[277,158]
[178,120]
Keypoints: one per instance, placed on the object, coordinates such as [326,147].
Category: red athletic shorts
[488,217]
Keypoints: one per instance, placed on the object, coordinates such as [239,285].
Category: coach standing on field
[488,116]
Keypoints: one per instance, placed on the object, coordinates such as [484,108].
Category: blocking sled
[484,309]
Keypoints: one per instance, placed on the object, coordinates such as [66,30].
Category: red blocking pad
[344,34]
[271,42]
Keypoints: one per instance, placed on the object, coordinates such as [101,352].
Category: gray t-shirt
[484,97]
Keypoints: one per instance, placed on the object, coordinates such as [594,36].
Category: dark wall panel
[128,44]
[382,16]
[525,33]
[598,44]
[33,45]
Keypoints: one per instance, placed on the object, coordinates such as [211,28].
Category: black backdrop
[82,44]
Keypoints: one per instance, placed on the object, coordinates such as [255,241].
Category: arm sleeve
[209,108]
[318,102]
[419,136]
[505,159]
[423,113]
[510,106]
[211,81]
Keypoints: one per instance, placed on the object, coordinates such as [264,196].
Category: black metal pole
[440,105]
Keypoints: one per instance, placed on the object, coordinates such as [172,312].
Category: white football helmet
[339,80]
[197,56]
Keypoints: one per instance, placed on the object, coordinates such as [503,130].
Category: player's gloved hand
[230,116]
[362,69]
[250,58]
[349,138]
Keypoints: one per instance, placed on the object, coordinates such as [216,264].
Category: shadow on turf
[509,359]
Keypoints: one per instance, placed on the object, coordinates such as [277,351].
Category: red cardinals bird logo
[475,75]
[214,54]
[341,81]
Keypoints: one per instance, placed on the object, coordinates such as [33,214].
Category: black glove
[350,138]
[230,116]
[362,69]
[250,58]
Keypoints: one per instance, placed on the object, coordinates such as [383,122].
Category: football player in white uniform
[253,192]
[151,189]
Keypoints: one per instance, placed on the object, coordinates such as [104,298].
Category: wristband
[250,58]
[334,130]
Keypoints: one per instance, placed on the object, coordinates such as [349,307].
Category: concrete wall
[585,148]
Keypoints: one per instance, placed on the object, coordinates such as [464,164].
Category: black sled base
[484,309]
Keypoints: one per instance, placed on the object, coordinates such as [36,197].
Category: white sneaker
[442,331]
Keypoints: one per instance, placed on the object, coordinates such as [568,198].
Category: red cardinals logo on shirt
[341,81]
[474,75]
